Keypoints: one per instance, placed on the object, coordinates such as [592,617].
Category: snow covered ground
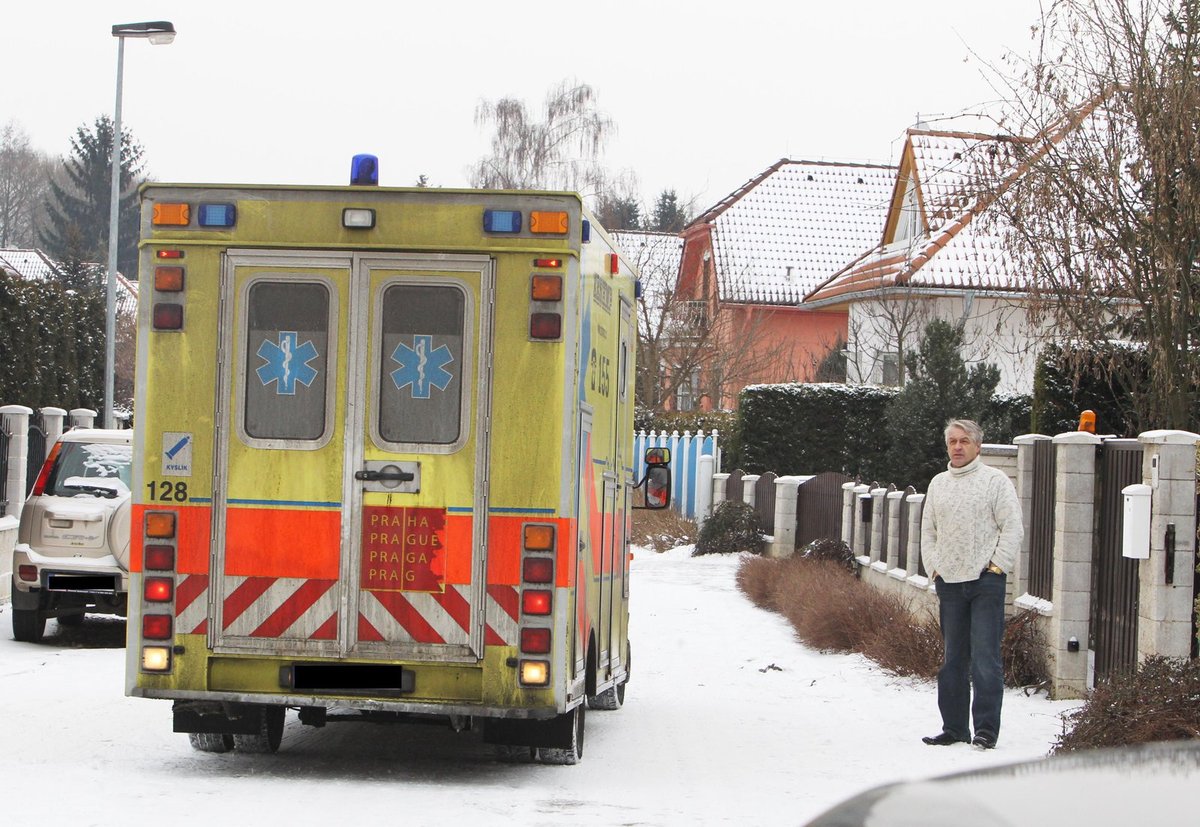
[728,720]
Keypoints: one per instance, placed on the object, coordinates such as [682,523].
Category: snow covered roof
[651,253]
[786,230]
[955,175]
[35,265]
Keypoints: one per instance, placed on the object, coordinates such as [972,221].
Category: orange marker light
[171,215]
[551,223]
[168,279]
[539,537]
[160,524]
[546,288]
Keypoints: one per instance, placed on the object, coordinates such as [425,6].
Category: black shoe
[943,739]
[984,740]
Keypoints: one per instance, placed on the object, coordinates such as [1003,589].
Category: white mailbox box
[1135,538]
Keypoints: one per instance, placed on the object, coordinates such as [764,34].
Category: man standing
[970,533]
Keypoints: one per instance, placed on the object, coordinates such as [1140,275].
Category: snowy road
[728,721]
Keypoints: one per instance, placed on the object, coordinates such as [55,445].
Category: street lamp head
[158,32]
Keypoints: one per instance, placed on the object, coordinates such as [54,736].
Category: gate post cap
[1165,437]
[15,409]
[915,498]
[52,411]
[1077,438]
[1029,439]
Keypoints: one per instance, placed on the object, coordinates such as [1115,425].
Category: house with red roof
[746,266]
[940,256]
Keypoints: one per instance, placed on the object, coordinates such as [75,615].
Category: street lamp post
[159,32]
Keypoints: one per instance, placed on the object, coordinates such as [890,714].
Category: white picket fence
[694,460]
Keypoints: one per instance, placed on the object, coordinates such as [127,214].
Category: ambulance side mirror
[658,479]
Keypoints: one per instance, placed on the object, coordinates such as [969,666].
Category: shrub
[1023,651]
[1158,702]
[733,527]
[661,529]
[827,548]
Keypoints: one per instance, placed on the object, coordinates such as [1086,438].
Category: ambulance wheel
[270,731]
[211,741]
[571,725]
[28,625]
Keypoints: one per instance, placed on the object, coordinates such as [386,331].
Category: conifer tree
[78,213]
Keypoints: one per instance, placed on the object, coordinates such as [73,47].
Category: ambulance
[382,465]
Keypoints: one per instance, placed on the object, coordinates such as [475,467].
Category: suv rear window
[83,467]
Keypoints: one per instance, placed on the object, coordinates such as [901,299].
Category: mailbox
[1135,537]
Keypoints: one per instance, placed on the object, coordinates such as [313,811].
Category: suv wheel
[28,625]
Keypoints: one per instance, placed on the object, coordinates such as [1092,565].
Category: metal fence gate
[1041,521]
[3,470]
[1114,577]
[37,452]
[764,502]
[819,508]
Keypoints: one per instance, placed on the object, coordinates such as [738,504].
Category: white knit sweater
[971,517]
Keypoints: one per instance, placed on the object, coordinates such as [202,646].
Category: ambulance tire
[572,723]
[28,625]
[211,741]
[270,732]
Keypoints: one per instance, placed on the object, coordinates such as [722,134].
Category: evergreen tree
[79,212]
[617,212]
[940,387]
[669,216]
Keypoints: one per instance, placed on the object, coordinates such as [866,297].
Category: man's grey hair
[970,426]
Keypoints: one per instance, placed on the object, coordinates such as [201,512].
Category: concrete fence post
[52,424]
[16,423]
[718,495]
[748,483]
[916,504]
[894,499]
[784,532]
[1165,580]
[1074,509]
[83,418]
[859,547]
[877,525]
[848,513]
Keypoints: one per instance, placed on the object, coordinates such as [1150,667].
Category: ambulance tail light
[545,326]
[538,570]
[535,673]
[39,487]
[535,641]
[168,279]
[158,589]
[168,316]
[158,558]
[546,288]
[537,602]
[156,659]
[157,627]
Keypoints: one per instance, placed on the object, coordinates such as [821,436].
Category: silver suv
[72,552]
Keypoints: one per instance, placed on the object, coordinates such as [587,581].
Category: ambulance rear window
[421,365]
[286,370]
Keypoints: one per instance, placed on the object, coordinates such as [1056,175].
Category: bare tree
[700,348]
[561,151]
[1106,220]
[24,183]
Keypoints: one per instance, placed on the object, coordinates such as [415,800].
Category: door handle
[374,476]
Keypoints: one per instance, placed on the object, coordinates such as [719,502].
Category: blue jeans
[972,619]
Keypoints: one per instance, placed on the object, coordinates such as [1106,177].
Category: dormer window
[909,225]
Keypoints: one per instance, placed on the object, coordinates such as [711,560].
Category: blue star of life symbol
[422,366]
[287,363]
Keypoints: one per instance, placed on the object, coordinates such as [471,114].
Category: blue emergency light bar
[501,221]
[364,171]
[216,215]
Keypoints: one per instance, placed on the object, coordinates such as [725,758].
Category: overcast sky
[705,95]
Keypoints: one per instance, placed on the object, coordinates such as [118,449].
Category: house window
[909,225]
[687,394]
[889,363]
